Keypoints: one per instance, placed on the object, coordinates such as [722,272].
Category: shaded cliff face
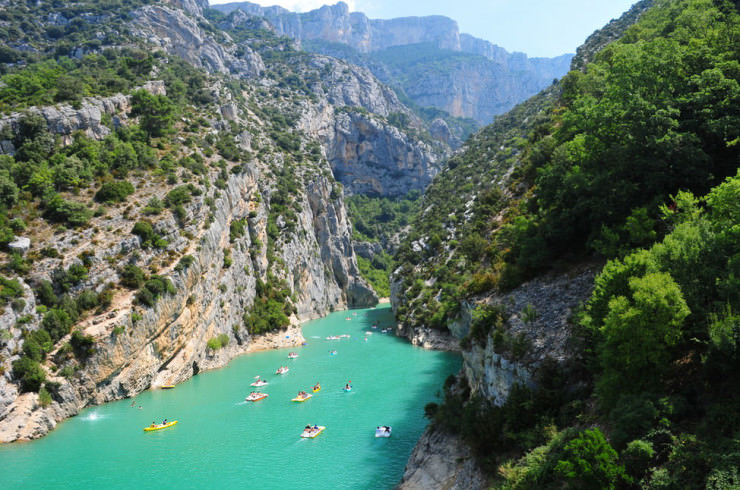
[416,55]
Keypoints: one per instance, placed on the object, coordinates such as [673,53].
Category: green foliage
[61,210]
[156,112]
[57,322]
[44,397]
[154,288]
[116,191]
[271,307]
[639,331]
[10,289]
[590,462]
[177,196]
[218,342]
[82,345]
[236,229]
[145,231]
[132,276]
[30,374]
[37,344]
[185,262]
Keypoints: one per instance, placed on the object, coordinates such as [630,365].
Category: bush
[185,262]
[57,322]
[9,289]
[178,195]
[145,231]
[216,343]
[44,397]
[62,211]
[82,345]
[132,276]
[36,344]
[116,191]
[153,289]
[30,374]
[590,462]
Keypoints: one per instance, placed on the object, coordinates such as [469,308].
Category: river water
[222,441]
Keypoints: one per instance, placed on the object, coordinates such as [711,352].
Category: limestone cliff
[138,348]
[466,77]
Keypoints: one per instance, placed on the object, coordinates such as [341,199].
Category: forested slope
[632,161]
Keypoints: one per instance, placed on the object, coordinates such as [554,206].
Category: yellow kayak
[167,387]
[160,426]
[316,388]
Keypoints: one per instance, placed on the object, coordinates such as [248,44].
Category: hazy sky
[536,27]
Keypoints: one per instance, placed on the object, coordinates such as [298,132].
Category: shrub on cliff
[116,191]
[30,374]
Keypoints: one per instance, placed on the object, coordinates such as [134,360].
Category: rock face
[63,119]
[441,460]
[476,87]
[367,154]
[540,310]
[175,32]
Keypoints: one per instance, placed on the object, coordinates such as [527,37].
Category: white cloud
[301,5]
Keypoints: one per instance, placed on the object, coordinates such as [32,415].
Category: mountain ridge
[510,77]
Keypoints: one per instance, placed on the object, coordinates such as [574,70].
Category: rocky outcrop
[441,460]
[539,310]
[173,31]
[367,154]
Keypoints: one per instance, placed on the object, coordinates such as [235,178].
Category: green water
[221,441]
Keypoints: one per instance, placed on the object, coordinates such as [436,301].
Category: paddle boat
[383,431]
[163,425]
[312,430]
[317,387]
[302,396]
[282,370]
[293,355]
[256,396]
[259,382]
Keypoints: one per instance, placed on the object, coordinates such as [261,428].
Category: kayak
[167,387]
[160,426]
[302,398]
[312,432]
[316,388]
[383,431]
[255,397]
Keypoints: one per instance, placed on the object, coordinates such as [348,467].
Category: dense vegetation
[379,220]
[633,160]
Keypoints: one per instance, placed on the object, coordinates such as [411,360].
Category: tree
[156,112]
[638,332]
[590,462]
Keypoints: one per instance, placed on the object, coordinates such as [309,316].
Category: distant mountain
[426,59]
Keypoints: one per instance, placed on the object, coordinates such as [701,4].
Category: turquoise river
[222,441]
